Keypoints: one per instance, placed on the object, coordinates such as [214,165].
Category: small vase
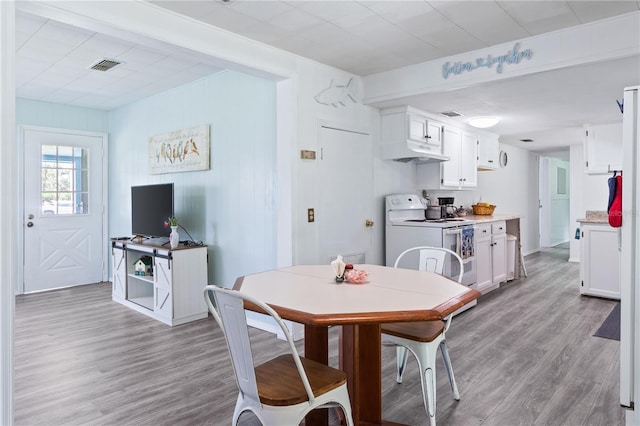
[174,237]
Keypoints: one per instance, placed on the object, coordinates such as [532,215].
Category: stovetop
[436,223]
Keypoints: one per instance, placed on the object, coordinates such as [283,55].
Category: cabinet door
[483,261]
[603,148]
[499,257]
[162,288]
[488,152]
[119,268]
[450,170]
[469,160]
[600,262]
[417,128]
[434,133]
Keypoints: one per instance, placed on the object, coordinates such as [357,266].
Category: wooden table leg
[316,347]
[360,358]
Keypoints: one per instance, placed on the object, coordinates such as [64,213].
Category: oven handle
[454,231]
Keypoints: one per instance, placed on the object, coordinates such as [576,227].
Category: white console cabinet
[168,287]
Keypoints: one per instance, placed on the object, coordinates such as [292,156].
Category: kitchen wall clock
[503,159]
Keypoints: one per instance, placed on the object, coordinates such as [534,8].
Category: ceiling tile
[398,11]
[260,10]
[65,34]
[539,18]
[295,20]
[588,11]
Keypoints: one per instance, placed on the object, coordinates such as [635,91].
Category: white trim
[8,213]
[19,282]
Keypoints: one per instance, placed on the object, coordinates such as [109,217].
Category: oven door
[460,240]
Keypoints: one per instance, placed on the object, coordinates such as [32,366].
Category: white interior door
[345,182]
[63,208]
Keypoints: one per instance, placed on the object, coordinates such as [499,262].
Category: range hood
[410,151]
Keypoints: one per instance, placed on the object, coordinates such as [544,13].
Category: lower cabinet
[599,260]
[491,255]
[164,284]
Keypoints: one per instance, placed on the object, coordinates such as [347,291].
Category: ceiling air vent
[451,114]
[526,140]
[104,65]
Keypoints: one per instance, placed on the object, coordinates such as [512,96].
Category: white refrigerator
[630,257]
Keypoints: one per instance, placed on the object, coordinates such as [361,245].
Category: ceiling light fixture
[483,122]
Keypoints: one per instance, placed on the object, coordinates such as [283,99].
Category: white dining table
[309,294]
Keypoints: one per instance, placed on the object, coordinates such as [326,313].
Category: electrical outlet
[311,215]
[307,155]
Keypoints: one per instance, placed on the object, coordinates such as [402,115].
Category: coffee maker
[447,206]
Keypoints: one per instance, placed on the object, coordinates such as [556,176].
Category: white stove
[407,226]
[409,210]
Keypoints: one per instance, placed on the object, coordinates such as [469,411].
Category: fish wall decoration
[335,95]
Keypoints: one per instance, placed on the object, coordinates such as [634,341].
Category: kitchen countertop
[595,216]
[491,218]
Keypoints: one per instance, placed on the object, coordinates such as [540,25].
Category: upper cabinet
[603,148]
[409,134]
[488,152]
[460,172]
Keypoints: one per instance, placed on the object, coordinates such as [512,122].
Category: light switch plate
[307,155]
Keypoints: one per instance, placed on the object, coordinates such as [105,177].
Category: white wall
[588,192]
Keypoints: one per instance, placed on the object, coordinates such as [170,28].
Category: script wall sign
[513,56]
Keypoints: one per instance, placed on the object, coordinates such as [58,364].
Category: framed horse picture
[184,150]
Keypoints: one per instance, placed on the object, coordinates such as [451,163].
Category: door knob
[368,223]
[29,224]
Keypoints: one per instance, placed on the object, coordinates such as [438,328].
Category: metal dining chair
[283,390]
[423,338]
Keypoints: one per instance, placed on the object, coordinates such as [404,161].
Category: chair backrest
[432,259]
[229,313]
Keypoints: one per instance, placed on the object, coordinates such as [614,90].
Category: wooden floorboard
[525,355]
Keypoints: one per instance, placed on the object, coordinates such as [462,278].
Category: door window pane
[64,180]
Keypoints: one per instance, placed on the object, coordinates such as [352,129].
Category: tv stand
[169,283]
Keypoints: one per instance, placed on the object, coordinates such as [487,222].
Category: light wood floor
[525,355]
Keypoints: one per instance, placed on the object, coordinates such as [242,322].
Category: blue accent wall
[230,207]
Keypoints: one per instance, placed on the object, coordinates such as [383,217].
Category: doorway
[64,207]
[554,199]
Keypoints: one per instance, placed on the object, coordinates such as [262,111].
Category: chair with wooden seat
[283,390]
[423,338]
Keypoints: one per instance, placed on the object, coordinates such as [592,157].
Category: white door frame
[8,213]
[544,201]
[19,285]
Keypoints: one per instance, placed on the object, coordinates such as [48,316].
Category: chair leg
[449,368]
[401,362]
[426,358]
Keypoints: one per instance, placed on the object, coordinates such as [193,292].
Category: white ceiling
[362,37]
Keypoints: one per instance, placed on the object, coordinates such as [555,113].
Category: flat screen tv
[151,205]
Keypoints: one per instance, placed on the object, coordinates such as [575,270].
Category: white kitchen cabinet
[491,255]
[460,172]
[603,148]
[599,260]
[409,127]
[469,160]
[171,292]
[488,152]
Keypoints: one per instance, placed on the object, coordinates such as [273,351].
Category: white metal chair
[423,338]
[283,390]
